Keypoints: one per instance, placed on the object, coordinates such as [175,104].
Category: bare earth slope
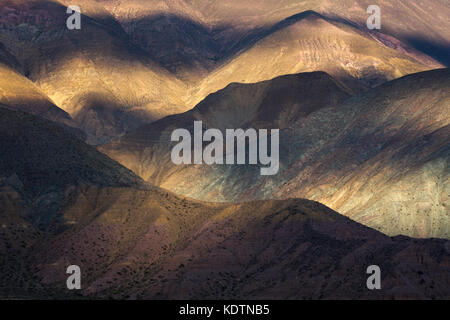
[95,74]
[123,68]
[380,158]
[136,241]
[39,160]
[421,25]
[223,29]
[310,42]
[40,163]
[19,93]
[276,103]
[139,244]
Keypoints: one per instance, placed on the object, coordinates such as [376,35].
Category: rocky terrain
[380,158]
[309,42]
[134,241]
[95,74]
[134,62]
[364,148]
[276,103]
[147,245]
[224,30]
[19,93]
[39,160]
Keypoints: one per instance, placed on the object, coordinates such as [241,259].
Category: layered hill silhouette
[137,61]
[136,241]
[379,157]
[223,29]
[364,135]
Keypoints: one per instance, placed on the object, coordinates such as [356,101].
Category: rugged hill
[123,68]
[63,203]
[39,160]
[222,29]
[380,158]
[310,42]
[95,74]
[276,103]
[139,244]
[19,93]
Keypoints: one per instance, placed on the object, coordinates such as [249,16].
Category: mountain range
[175,53]
[335,148]
[134,241]
[87,179]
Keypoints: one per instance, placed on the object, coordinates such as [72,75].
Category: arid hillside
[39,160]
[64,203]
[95,74]
[276,103]
[87,179]
[135,62]
[150,244]
[40,163]
[380,158]
[310,42]
[207,34]
[19,93]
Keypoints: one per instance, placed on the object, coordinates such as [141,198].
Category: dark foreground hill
[64,203]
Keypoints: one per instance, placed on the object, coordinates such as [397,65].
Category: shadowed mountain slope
[19,93]
[123,68]
[39,160]
[43,149]
[139,244]
[276,103]
[64,203]
[95,74]
[380,157]
[222,29]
